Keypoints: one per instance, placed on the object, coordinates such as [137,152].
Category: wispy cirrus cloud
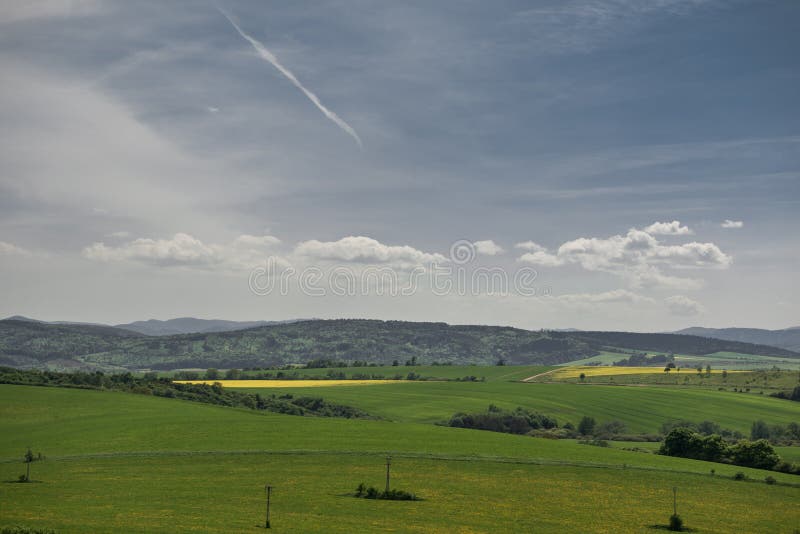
[268,56]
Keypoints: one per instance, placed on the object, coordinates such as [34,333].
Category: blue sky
[151,159]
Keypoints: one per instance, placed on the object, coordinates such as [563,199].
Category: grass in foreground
[124,462]
[225,493]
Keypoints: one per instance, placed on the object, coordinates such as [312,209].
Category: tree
[759,430]
[708,370]
[212,374]
[395,363]
[233,374]
[586,426]
[758,454]
[724,374]
[28,461]
[583,377]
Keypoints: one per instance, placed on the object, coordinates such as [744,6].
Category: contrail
[269,56]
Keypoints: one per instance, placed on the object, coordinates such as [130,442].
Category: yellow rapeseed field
[288,383]
[588,370]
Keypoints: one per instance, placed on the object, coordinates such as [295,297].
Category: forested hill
[678,343]
[26,344]
[788,338]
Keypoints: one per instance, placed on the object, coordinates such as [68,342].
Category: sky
[592,164]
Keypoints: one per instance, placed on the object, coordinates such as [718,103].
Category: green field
[643,409]
[135,463]
[753,382]
[718,360]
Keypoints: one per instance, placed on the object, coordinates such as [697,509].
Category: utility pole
[674,500]
[388,465]
[269,494]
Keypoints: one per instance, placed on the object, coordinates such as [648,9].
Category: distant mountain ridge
[169,327]
[192,325]
[36,344]
[787,338]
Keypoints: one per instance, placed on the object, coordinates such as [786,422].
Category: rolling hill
[191,325]
[33,344]
[788,338]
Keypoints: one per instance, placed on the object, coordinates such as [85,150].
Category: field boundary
[381,454]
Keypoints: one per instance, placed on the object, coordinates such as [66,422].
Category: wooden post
[269,493]
[674,501]
[388,464]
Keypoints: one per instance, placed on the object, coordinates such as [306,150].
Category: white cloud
[361,249]
[613,296]
[184,250]
[530,245]
[682,305]
[488,248]
[10,249]
[727,223]
[541,257]
[637,256]
[668,228]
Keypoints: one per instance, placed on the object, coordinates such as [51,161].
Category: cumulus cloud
[487,248]
[184,250]
[727,223]
[684,306]
[10,249]
[636,255]
[361,249]
[668,228]
[530,245]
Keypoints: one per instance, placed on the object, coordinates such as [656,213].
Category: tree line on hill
[31,344]
[641,359]
[164,387]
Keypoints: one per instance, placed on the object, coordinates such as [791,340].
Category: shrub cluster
[641,359]
[518,421]
[759,454]
[794,395]
[364,492]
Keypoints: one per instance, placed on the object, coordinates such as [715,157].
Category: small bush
[770,480]
[594,442]
[739,476]
[371,492]
[675,523]
[361,490]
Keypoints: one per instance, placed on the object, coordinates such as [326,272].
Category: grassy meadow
[642,409]
[135,463]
